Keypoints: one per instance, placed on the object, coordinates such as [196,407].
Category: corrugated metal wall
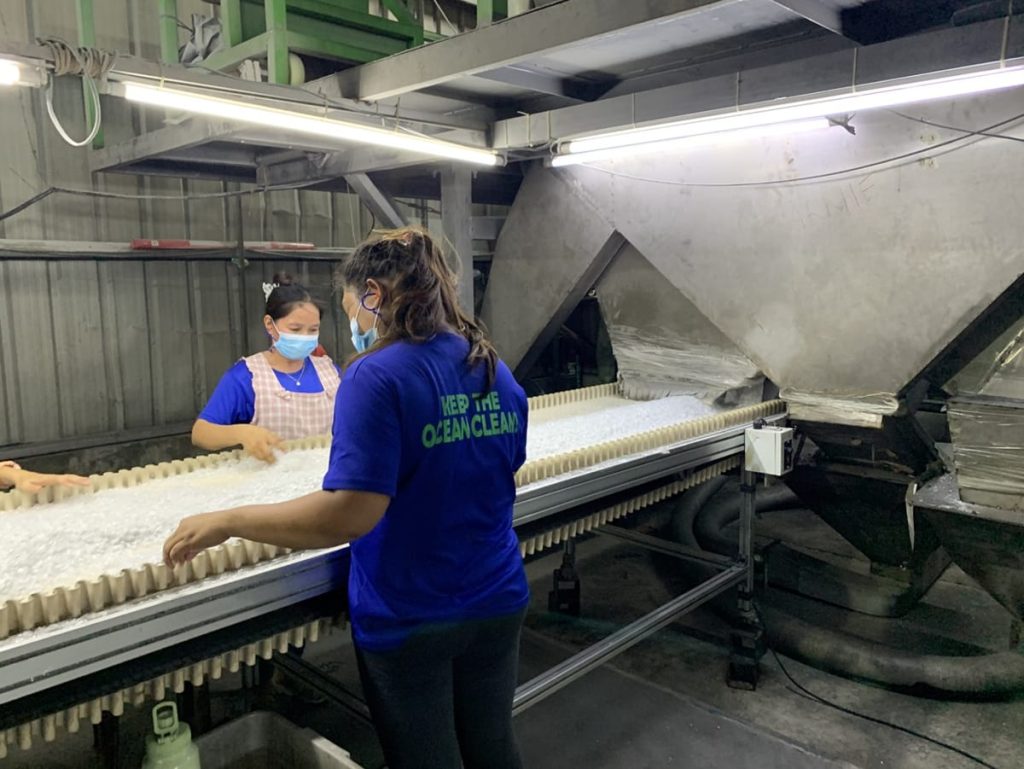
[96,347]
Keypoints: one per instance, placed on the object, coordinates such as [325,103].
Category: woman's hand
[30,483]
[11,474]
[194,534]
[259,442]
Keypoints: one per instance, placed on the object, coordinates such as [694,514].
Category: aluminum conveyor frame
[36,662]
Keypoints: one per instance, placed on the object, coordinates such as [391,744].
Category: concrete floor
[680,661]
[664,703]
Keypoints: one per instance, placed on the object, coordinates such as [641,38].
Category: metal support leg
[315,680]
[248,688]
[277,45]
[565,594]
[747,636]
[194,707]
[748,508]
[106,738]
[456,216]
[546,684]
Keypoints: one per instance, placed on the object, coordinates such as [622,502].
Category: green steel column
[277,43]
[231,22]
[488,11]
[405,15]
[87,38]
[400,9]
[168,10]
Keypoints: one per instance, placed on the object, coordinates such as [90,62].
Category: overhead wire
[39,197]
[968,131]
[895,161]
[444,15]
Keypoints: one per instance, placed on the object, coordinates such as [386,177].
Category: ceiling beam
[379,202]
[817,12]
[544,83]
[175,138]
[507,42]
[976,45]
[316,166]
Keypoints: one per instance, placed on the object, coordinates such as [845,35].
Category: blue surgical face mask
[363,340]
[295,346]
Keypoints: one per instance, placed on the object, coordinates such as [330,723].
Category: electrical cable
[893,162]
[180,24]
[91,64]
[146,196]
[445,16]
[27,204]
[803,691]
[967,131]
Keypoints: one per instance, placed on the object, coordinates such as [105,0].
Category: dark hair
[420,292]
[287,294]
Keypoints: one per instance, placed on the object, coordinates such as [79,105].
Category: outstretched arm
[11,474]
[320,519]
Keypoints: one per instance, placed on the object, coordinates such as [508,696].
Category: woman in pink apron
[279,394]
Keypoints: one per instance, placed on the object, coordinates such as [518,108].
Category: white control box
[769,450]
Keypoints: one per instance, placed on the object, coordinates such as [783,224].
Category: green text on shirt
[464,417]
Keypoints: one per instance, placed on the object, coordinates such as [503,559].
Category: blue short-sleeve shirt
[411,423]
[233,401]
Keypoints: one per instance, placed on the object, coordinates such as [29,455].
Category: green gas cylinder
[170,745]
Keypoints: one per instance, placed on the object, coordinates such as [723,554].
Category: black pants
[443,700]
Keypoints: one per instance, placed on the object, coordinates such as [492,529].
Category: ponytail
[420,293]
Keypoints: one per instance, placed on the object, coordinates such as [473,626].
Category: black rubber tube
[689,506]
[859,593]
[979,677]
[722,509]
[986,675]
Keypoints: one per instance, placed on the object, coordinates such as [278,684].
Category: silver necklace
[297,379]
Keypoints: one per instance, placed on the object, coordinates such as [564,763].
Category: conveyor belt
[241,580]
[46,728]
[31,595]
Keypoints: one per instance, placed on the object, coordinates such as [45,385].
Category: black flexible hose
[690,504]
[986,675]
[723,509]
[983,676]
[788,568]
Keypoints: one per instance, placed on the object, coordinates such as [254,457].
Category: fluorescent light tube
[10,73]
[314,125]
[867,99]
[677,145]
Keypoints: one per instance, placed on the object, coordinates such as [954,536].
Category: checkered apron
[293,415]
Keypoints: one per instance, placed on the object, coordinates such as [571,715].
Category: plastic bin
[264,740]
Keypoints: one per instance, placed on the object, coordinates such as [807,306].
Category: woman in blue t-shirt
[282,393]
[429,430]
